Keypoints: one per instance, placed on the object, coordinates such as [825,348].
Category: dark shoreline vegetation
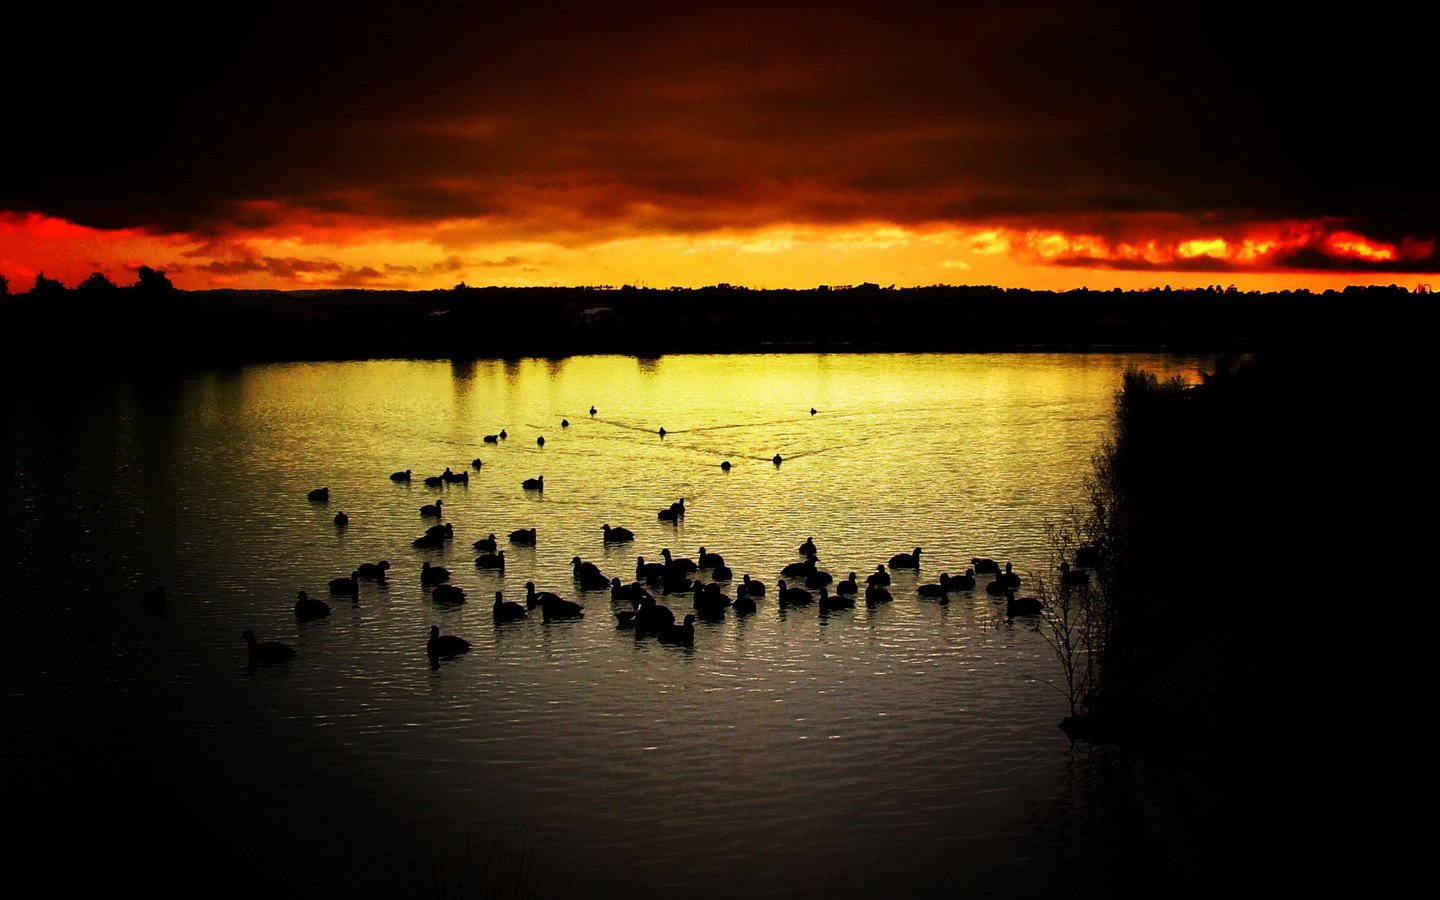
[153,325]
[1228,515]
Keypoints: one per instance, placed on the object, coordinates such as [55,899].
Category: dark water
[901,751]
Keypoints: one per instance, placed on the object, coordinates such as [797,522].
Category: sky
[1021,144]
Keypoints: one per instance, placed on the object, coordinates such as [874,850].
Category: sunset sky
[1020,144]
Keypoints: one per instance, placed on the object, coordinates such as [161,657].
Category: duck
[710,600]
[777,459]
[680,634]
[540,441]
[476,463]
[564,423]
[592,581]
[849,587]
[346,586]
[649,572]
[534,598]
[997,588]
[964,582]
[940,589]
[622,592]
[875,595]
[616,534]
[503,434]
[445,645]
[593,410]
[266,651]
[534,484]
[626,618]
[524,536]
[710,560]
[561,609]
[906,560]
[1090,556]
[683,564]
[818,579]
[433,575]
[491,439]
[675,512]
[789,596]
[984,565]
[725,466]
[652,617]
[1024,606]
[879,577]
[1073,577]
[808,548]
[491,561]
[374,571]
[580,568]
[800,569]
[341,520]
[813,410]
[154,599]
[448,595]
[428,541]
[752,587]
[444,532]
[434,481]
[432,510]
[676,583]
[722,573]
[663,432]
[308,607]
[508,610]
[832,603]
[744,604]
[320,495]
[450,477]
[400,476]
[1008,577]
[486,544]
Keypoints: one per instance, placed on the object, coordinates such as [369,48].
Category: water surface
[900,750]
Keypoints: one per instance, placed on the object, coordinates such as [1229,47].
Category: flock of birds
[636,603]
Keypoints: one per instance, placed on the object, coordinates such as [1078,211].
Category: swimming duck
[400,476]
[448,595]
[534,484]
[266,651]
[441,646]
[433,575]
[307,607]
[507,610]
[680,634]
[486,544]
[432,510]
[491,561]
[617,534]
[320,495]
[524,536]
[878,578]
[906,560]
[752,587]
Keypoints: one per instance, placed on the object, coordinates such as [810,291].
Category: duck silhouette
[524,536]
[906,560]
[752,587]
[534,484]
[448,595]
[400,476]
[308,607]
[507,610]
[617,534]
[879,577]
[445,646]
[266,651]
[319,495]
[486,544]
[680,634]
[491,561]
[432,510]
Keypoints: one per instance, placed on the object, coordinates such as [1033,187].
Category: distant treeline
[153,324]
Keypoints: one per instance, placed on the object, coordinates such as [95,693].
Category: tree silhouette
[4,285]
[95,284]
[47,287]
[153,282]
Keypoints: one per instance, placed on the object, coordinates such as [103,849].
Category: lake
[901,750]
